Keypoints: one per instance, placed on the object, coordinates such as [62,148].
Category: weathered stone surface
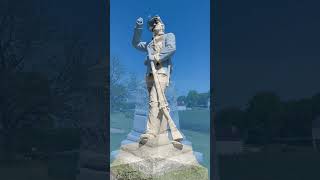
[146,152]
[136,161]
[127,172]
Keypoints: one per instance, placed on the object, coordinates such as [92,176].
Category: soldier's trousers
[156,122]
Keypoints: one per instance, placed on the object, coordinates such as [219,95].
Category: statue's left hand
[151,57]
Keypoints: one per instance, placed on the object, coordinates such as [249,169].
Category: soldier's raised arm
[136,40]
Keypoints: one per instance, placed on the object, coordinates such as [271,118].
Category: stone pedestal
[150,161]
[139,127]
[140,118]
[158,158]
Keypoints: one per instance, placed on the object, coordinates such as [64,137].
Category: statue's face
[157,27]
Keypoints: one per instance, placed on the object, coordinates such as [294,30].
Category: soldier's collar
[160,35]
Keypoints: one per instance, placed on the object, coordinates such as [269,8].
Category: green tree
[192,98]
[297,118]
[132,83]
[182,100]
[203,99]
[24,101]
[263,117]
[24,96]
[231,117]
[118,89]
[315,100]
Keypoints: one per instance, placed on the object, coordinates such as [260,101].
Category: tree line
[194,99]
[43,74]
[266,117]
[122,85]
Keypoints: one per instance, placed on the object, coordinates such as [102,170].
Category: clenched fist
[139,22]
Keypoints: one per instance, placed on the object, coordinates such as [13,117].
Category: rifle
[176,135]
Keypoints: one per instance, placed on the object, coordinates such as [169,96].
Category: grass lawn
[195,120]
[24,170]
[201,143]
[119,121]
[271,166]
[195,125]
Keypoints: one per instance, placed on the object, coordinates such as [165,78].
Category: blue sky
[189,20]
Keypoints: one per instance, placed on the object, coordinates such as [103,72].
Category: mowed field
[200,143]
[25,170]
[195,120]
[195,125]
[271,166]
[120,127]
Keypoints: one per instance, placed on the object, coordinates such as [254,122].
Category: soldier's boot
[145,137]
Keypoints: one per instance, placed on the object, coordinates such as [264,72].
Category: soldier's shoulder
[170,35]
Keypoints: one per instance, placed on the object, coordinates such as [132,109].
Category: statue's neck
[155,35]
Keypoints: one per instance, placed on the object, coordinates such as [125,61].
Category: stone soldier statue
[159,50]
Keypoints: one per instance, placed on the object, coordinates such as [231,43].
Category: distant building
[229,141]
[180,103]
[181,108]
[316,133]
